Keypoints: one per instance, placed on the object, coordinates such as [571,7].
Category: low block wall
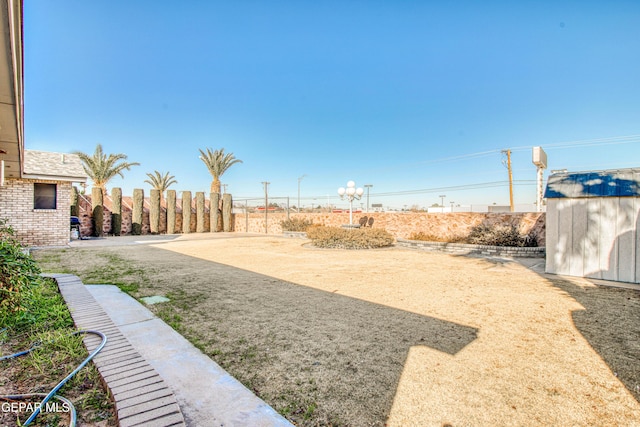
[465,249]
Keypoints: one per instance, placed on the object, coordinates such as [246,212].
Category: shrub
[500,235]
[354,238]
[492,235]
[296,224]
[18,271]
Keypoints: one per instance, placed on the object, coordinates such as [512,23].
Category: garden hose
[52,393]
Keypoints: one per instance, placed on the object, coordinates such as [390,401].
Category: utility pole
[442,196]
[508,153]
[368,186]
[266,206]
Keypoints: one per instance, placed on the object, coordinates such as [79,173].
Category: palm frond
[217,162]
[102,168]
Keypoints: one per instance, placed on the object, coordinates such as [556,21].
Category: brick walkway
[141,396]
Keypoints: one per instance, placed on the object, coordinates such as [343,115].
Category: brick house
[37,205]
[35,186]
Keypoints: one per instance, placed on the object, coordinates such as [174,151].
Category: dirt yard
[390,337]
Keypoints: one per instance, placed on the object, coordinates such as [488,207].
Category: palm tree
[102,168]
[217,162]
[160,182]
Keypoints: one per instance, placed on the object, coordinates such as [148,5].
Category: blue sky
[414,97]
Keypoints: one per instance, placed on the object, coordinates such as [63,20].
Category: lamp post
[300,178]
[368,187]
[442,196]
[350,193]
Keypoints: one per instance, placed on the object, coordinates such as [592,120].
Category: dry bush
[492,235]
[500,235]
[354,238]
[296,224]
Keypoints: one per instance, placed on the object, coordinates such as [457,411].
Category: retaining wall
[465,249]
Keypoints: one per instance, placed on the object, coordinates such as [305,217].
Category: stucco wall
[33,227]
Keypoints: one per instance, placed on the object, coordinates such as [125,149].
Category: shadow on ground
[317,357]
[610,322]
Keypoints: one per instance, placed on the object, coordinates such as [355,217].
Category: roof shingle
[63,166]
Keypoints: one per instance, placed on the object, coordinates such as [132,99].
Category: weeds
[48,324]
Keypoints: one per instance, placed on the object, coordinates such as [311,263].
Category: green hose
[52,393]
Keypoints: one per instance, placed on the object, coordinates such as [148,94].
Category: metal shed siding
[594,237]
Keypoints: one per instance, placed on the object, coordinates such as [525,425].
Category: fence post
[214,205]
[227,205]
[171,211]
[116,211]
[98,211]
[136,215]
[200,212]
[186,212]
[154,212]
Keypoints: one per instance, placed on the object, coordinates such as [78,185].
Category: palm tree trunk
[215,185]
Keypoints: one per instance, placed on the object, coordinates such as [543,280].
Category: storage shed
[592,224]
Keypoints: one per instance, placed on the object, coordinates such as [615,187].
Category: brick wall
[402,224]
[42,227]
[85,216]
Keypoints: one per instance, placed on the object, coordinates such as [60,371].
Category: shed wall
[594,237]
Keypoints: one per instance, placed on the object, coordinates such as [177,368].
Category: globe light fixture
[350,193]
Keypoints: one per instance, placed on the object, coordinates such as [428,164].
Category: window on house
[44,196]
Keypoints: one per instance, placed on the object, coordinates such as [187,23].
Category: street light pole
[350,193]
[442,196]
[368,187]
[300,178]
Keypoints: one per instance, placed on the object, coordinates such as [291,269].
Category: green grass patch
[34,315]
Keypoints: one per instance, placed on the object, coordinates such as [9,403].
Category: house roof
[53,166]
[608,183]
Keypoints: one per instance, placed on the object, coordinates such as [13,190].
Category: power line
[615,140]
[493,184]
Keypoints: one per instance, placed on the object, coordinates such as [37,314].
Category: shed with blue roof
[592,224]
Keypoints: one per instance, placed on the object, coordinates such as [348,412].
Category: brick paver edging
[141,396]
[466,249]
